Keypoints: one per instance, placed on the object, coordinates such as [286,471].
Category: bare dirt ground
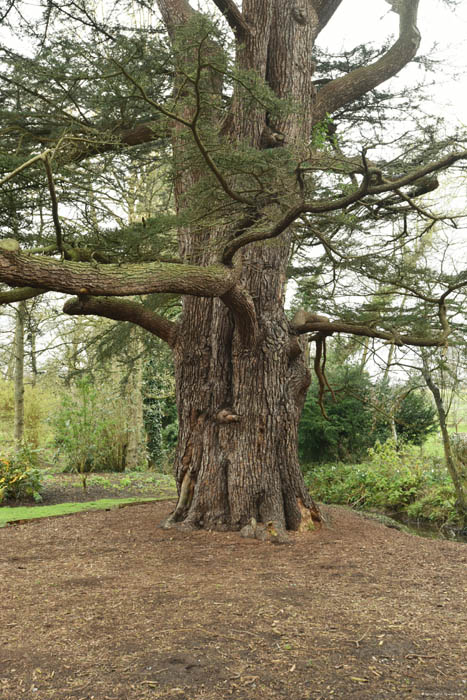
[106,606]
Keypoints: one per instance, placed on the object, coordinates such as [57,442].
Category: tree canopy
[249,157]
[110,93]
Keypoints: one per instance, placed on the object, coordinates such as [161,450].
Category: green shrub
[396,479]
[359,415]
[346,434]
[437,504]
[391,479]
[19,476]
[397,473]
[416,418]
[90,429]
[40,402]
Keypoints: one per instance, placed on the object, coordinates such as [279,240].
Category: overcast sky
[360,21]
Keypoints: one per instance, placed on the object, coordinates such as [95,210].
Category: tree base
[270,531]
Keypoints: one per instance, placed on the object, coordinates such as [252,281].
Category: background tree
[19,372]
[255,175]
[357,415]
[455,470]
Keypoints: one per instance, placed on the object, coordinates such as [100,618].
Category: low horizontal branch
[22,269]
[331,327]
[123,310]
[20,294]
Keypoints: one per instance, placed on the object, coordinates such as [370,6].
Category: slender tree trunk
[19,373]
[34,371]
[450,461]
[136,448]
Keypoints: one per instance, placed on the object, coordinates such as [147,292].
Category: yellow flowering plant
[19,476]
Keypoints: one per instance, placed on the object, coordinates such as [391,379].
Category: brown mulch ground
[106,606]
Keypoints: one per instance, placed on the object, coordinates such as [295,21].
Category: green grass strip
[10,514]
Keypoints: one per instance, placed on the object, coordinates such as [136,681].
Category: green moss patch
[19,514]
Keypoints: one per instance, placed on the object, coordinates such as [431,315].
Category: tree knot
[226,415]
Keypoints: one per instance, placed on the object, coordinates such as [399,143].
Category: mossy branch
[20,269]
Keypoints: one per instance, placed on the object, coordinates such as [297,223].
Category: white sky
[359,21]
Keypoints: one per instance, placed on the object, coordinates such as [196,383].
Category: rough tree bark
[241,373]
[239,407]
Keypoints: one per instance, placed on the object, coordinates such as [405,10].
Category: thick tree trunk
[239,411]
[239,404]
[239,407]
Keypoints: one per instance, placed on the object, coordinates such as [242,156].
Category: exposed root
[271,531]
[171,524]
[312,518]
[184,502]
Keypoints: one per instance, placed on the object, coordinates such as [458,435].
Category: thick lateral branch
[234,17]
[20,269]
[358,82]
[241,304]
[81,149]
[325,10]
[330,327]
[123,310]
[20,294]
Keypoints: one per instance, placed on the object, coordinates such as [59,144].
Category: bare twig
[25,165]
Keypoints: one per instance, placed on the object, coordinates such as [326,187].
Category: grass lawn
[433,447]
[10,514]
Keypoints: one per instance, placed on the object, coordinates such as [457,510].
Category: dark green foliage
[160,412]
[416,418]
[393,479]
[360,416]
[347,433]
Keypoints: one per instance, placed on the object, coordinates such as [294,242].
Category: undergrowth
[20,477]
[398,479]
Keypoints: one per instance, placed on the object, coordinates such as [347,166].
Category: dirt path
[105,606]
